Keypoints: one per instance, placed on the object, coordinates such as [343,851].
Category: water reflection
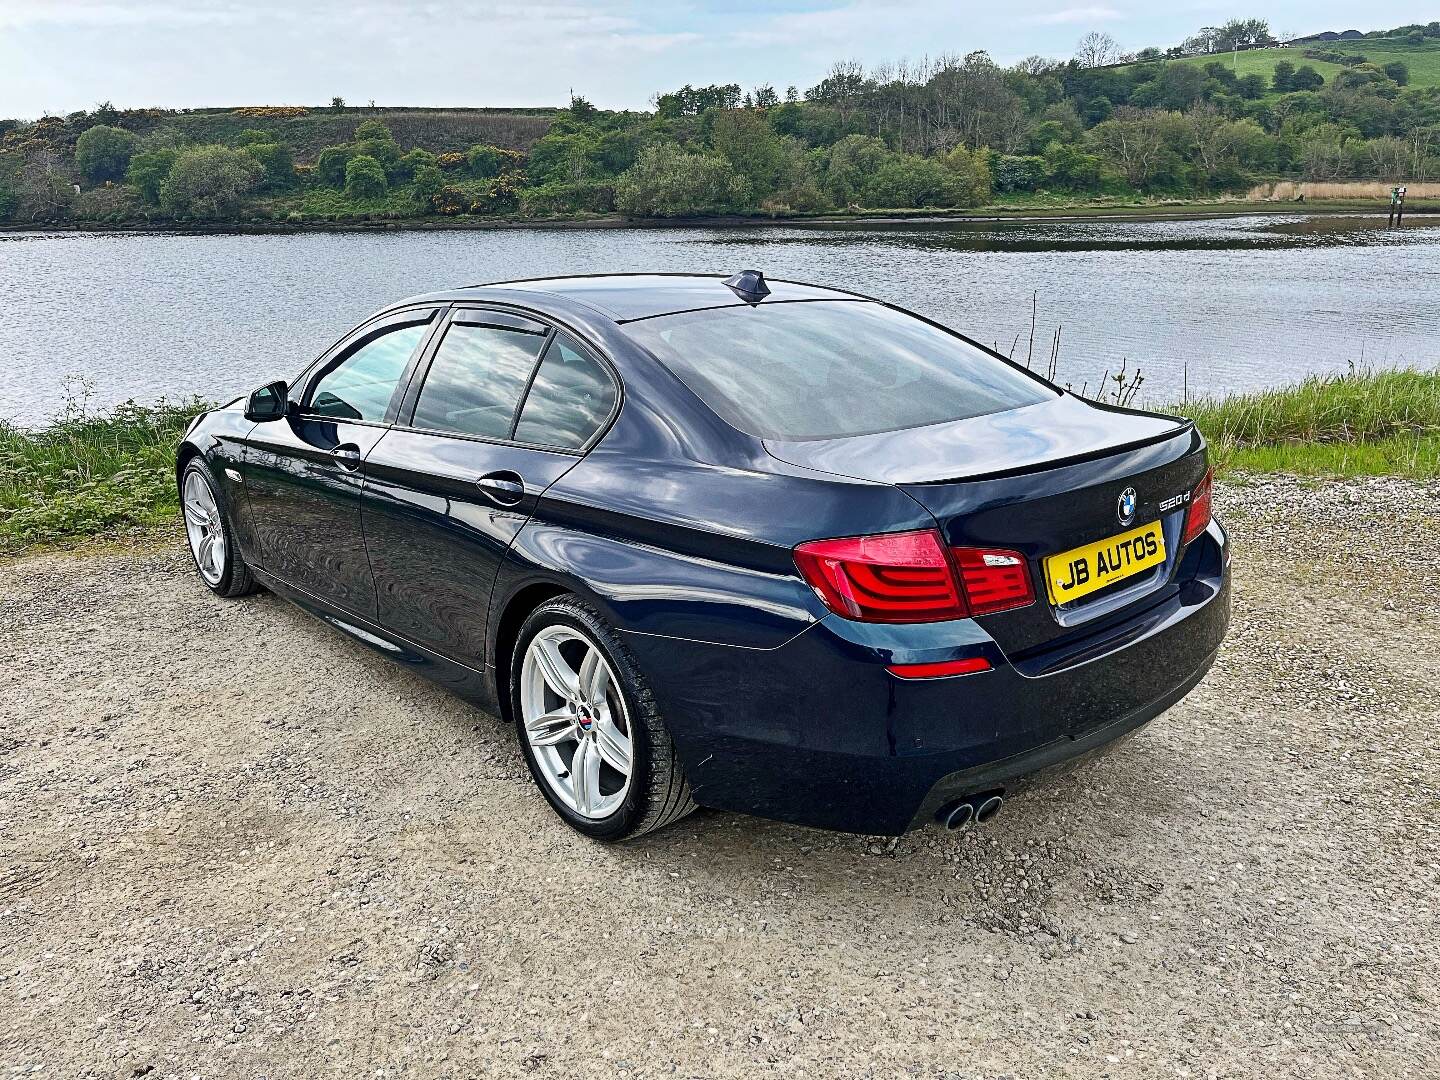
[1218,304]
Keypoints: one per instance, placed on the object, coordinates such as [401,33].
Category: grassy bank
[1362,424]
[108,474]
[91,475]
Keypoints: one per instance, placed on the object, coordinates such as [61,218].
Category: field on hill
[1422,60]
[435,130]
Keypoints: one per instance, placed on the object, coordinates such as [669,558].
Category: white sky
[62,55]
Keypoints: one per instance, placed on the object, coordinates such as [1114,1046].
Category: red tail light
[1197,515]
[893,578]
[909,577]
[993,580]
[942,670]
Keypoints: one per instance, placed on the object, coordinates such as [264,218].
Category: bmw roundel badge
[1125,506]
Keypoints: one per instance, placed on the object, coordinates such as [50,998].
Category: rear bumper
[816,732]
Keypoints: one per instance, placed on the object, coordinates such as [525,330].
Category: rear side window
[476,380]
[829,369]
[572,395]
[360,386]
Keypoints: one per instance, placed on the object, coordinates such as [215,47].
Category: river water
[1208,306]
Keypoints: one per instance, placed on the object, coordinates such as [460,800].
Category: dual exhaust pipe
[973,809]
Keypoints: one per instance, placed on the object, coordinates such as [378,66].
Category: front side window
[572,395]
[831,369]
[476,380]
[360,386]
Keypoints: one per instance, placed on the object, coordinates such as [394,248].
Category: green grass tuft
[1362,423]
[90,474]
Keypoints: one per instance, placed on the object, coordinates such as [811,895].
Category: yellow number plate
[1083,570]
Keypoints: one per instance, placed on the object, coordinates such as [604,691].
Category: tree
[148,171]
[46,191]
[330,165]
[1241,33]
[1134,140]
[1283,80]
[1398,71]
[275,159]
[210,181]
[103,153]
[752,146]
[365,178]
[337,103]
[765,97]
[971,170]
[667,181]
[848,164]
[1251,87]
[1307,78]
[1096,49]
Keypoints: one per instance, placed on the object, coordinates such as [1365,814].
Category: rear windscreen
[828,369]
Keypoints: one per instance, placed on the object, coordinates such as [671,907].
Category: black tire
[235,578]
[659,794]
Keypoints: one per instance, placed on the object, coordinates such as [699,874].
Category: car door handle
[348,455]
[504,487]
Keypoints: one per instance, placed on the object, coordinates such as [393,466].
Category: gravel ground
[235,844]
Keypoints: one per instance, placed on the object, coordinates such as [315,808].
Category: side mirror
[270,402]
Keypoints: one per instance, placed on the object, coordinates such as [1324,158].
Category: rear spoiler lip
[1183,426]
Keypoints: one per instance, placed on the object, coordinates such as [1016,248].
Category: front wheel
[589,728]
[212,543]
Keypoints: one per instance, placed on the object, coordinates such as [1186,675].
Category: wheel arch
[507,631]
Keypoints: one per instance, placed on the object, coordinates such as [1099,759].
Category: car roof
[626,297]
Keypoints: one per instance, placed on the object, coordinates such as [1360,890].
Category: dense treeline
[956,131]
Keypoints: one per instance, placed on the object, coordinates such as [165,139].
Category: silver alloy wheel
[204,528]
[576,721]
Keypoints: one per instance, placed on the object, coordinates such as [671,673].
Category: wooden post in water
[1397,204]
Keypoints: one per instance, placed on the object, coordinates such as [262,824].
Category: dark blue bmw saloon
[759,546]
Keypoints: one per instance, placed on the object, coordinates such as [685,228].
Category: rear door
[305,472]
[504,408]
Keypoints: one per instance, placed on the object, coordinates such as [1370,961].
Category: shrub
[429,180]
[330,165]
[1307,78]
[103,153]
[912,181]
[365,178]
[385,151]
[484,161]
[148,170]
[561,198]
[9,201]
[1398,71]
[1014,174]
[405,169]
[667,181]
[848,164]
[210,181]
[372,129]
[450,161]
[107,203]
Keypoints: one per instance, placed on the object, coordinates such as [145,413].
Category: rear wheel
[207,528]
[588,726]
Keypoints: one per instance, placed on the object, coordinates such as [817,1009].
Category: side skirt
[474,685]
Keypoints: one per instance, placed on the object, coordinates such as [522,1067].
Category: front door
[479,440]
[305,472]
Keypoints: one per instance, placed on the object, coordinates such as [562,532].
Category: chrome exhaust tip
[988,809]
[959,816]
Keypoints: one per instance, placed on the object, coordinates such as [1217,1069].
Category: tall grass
[1363,422]
[90,473]
[104,473]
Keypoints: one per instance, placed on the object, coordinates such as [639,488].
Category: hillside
[308,131]
[1423,60]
